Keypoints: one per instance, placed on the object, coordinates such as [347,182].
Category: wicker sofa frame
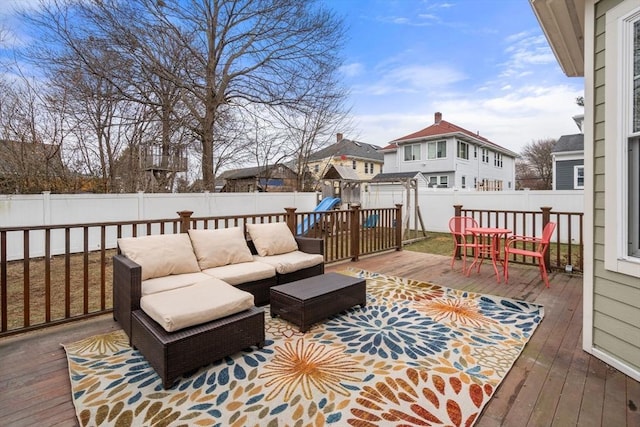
[127,282]
[172,354]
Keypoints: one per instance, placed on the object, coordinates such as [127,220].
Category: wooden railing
[566,250]
[65,272]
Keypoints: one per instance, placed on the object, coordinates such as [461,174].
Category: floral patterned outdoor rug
[417,354]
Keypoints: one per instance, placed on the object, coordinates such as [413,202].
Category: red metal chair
[540,247]
[458,226]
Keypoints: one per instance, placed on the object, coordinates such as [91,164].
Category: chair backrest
[547,232]
[458,225]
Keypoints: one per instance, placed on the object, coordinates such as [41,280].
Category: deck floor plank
[553,382]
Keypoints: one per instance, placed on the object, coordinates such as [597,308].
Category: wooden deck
[553,382]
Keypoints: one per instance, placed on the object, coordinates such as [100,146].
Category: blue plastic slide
[325,204]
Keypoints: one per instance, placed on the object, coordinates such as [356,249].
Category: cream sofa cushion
[292,261]
[223,246]
[174,281]
[192,305]
[160,255]
[235,274]
[272,238]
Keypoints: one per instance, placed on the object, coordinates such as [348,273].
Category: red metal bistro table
[493,236]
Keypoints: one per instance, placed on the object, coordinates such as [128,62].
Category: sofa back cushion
[272,239]
[215,248]
[160,255]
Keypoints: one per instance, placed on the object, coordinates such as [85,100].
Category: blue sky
[484,64]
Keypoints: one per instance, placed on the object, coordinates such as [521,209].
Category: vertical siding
[616,299]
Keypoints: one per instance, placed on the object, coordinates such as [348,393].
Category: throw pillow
[272,239]
[160,255]
[223,246]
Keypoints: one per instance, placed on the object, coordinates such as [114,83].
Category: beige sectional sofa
[170,286]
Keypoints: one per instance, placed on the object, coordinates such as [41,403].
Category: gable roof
[442,128]
[250,172]
[349,148]
[573,142]
[342,173]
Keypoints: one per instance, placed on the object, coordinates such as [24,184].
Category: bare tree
[210,56]
[538,163]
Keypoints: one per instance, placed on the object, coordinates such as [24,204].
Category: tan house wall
[616,297]
[324,165]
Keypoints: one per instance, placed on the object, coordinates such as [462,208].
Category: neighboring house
[364,159]
[568,162]
[451,157]
[600,40]
[276,178]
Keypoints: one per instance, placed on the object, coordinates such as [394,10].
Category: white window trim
[436,144]
[419,152]
[617,118]
[575,177]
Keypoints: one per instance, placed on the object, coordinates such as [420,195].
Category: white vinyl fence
[56,209]
[436,205]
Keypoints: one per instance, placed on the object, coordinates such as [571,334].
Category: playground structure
[308,222]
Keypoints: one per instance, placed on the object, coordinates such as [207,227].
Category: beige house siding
[324,164]
[616,297]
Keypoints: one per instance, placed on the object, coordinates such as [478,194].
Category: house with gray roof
[568,162]
[363,159]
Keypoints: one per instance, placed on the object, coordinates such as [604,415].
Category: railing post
[457,211]
[546,218]
[398,226]
[185,219]
[355,232]
[291,219]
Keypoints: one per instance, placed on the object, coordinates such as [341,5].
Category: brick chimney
[338,137]
[438,117]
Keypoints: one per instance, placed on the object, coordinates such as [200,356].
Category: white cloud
[411,78]
[352,70]
[511,119]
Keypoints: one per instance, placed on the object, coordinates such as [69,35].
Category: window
[380,168]
[437,150]
[366,167]
[353,164]
[578,177]
[371,168]
[463,150]
[316,168]
[485,155]
[622,140]
[433,181]
[497,160]
[411,152]
[475,151]
[443,181]
[475,182]
[463,181]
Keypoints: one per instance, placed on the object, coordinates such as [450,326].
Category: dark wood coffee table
[307,301]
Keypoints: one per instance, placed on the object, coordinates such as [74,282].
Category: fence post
[291,219]
[457,211]
[355,232]
[546,218]
[185,219]
[398,224]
